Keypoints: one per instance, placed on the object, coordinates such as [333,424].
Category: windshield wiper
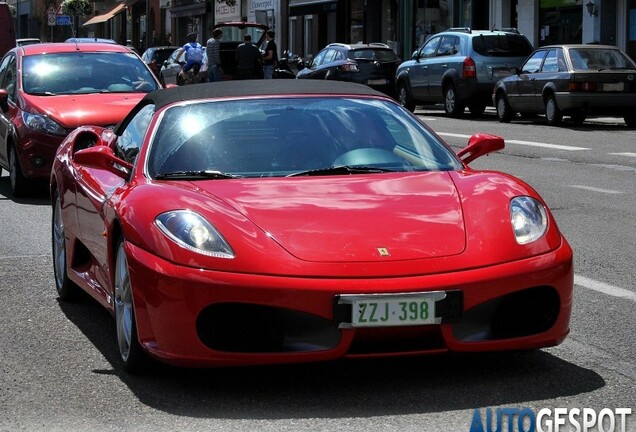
[341,169]
[45,93]
[196,175]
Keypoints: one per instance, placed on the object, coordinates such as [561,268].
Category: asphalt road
[58,361]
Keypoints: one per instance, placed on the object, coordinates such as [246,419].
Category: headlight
[529,219]
[191,231]
[42,123]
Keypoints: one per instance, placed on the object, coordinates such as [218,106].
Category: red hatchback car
[47,90]
[234,223]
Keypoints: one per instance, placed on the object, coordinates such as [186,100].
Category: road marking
[593,189]
[624,154]
[526,143]
[545,145]
[604,288]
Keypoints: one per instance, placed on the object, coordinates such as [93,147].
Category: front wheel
[133,357]
[452,106]
[504,112]
[66,289]
[19,183]
[552,112]
[404,97]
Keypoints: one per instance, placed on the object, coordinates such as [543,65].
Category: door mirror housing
[480,144]
[103,157]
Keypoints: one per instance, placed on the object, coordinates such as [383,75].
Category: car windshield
[82,72]
[505,45]
[599,59]
[373,54]
[293,136]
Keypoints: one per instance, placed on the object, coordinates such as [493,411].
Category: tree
[76,9]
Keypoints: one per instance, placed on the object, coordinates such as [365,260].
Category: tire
[578,117]
[66,289]
[477,108]
[132,355]
[452,106]
[504,112]
[630,120]
[552,112]
[19,184]
[404,97]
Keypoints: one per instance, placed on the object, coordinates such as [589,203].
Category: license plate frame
[392,310]
[379,81]
[616,87]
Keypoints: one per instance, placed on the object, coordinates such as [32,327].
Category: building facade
[305,26]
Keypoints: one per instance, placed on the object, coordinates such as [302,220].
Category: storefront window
[432,17]
[357,21]
[560,22]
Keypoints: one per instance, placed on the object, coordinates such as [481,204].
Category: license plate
[502,73]
[376,82]
[614,86]
[389,310]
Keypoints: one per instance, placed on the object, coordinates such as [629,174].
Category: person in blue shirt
[193,52]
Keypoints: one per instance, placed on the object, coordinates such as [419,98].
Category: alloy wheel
[59,246]
[123,303]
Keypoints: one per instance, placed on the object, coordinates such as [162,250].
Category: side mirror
[514,70]
[4,100]
[415,55]
[103,157]
[478,145]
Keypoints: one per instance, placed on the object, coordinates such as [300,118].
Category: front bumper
[37,152]
[192,317]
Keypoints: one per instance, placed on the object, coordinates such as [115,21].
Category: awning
[108,15]
[311,7]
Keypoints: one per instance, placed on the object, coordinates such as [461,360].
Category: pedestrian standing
[213,49]
[270,59]
[248,59]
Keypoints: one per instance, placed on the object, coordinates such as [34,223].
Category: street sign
[50,10]
[51,18]
[62,20]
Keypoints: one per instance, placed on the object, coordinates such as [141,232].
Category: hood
[375,217]
[72,111]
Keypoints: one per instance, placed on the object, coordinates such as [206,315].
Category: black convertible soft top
[249,88]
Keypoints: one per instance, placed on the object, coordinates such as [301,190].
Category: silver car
[170,72]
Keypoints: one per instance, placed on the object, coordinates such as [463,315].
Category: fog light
[37,161]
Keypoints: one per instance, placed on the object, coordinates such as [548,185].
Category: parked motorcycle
[283,70]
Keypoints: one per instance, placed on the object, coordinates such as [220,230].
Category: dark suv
[460,67]
[372,64]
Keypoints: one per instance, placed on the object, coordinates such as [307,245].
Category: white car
[170,72]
